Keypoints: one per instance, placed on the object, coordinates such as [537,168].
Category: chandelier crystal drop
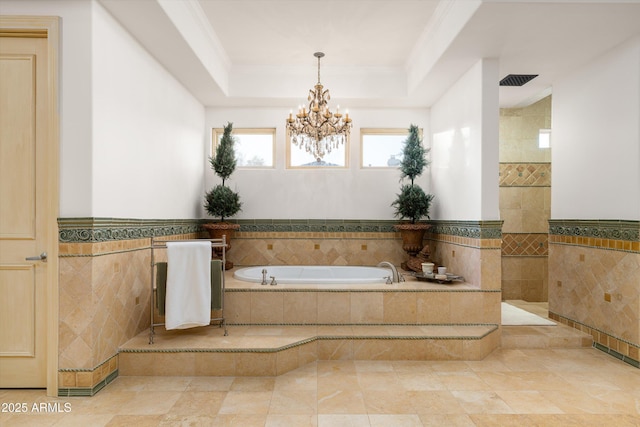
[316,129]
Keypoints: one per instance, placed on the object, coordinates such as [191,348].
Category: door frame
[26,26]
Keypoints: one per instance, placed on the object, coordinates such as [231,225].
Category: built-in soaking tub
[314,274]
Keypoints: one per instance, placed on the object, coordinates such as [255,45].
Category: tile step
[269,350]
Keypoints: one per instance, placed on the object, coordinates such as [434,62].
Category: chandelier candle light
[318,130]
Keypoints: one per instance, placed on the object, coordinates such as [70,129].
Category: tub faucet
[397,277]
[264,276]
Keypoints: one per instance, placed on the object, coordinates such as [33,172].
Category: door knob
[41,257]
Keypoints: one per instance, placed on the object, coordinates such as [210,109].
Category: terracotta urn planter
[218,229]
[412,235]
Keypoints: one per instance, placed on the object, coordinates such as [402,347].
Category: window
[298,158]
[254,148]
[544,138]
[382,148]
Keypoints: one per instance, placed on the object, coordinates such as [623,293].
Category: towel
[216,285]
[188,297]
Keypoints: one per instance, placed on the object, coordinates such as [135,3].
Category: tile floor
[510,387]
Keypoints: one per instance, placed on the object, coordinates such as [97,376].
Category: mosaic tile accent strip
[525,244]
[472,229]
[316,226]
[93,230]
[603,229]
[525,175]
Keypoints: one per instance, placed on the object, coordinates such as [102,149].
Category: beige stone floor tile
[210,383]
[435,402]
[235,420]
[134,383]
[419,381]
[291,421]
[295,402]
[253,384]
[341,401]
[529,402]
[449,420]
[481,402]
[382,402]
[386,420]
[343,420]
[462,380]
[388,381]
[206,403]
[133,420]
[246,403]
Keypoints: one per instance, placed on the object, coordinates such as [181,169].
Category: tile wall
[525,201]
[105,272]
[594,270]
[104,288]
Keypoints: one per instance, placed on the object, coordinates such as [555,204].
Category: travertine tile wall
[525,201]
[594,268]
[105,274]
[104,288]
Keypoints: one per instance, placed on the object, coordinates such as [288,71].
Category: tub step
[269,350]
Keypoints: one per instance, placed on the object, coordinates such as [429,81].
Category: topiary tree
[221,201]
[412,202]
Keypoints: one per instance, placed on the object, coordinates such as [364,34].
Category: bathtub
[314,274]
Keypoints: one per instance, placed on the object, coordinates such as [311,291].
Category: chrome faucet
[264,276]
[397,277]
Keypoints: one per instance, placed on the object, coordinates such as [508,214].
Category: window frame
[247,131]
[381,132]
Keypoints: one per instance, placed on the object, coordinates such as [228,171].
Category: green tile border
[87,391]
[95,230]
[603,229]
[471,229]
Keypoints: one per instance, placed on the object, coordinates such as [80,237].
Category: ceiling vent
[517,79]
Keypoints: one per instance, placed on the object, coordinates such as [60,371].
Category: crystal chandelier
[317,130]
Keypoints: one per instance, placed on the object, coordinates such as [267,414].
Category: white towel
[188,298]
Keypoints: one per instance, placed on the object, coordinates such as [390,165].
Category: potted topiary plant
[412,203]
[221,201]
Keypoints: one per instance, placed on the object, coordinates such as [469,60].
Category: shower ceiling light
[317,130]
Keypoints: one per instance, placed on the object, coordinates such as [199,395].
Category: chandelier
[317,130]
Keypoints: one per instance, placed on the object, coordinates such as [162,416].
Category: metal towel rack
[162,244]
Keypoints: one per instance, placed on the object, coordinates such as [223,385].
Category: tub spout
[264,276]
[397,277]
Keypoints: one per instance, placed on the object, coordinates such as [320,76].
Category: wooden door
[24,210]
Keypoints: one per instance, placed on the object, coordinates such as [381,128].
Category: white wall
[464,126]
[596,139]
[148,132]
[131,138]
[74,97]
[351,193]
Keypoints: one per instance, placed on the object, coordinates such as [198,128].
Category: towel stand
[162,244]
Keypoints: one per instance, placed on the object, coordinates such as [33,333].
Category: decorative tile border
[471,229]
[621,349]
[87,382]
[95,230]
[603,234]
[525,175]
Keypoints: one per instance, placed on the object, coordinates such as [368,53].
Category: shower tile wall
[525,201]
